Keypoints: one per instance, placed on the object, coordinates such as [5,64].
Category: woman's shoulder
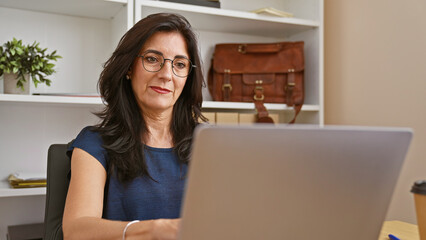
[89,133]
[90,140]
[88,136]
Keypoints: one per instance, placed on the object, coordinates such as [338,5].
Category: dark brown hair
[122,123]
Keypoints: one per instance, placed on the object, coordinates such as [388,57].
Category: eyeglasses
[154,62]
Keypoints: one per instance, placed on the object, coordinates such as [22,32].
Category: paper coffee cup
[419,190]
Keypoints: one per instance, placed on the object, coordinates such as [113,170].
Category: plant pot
[10,80]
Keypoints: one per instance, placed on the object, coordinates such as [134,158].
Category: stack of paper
[27,180]
[272,11]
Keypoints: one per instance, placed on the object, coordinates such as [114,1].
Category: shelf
[7,191]
[50,99]
[250,106]
[14,98]
[102,9]
[231,21]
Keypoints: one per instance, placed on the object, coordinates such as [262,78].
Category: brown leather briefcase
[259,73]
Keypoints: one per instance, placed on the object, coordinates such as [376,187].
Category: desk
[402,230]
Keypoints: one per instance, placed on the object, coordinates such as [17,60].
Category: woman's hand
[165,229]
[159,229]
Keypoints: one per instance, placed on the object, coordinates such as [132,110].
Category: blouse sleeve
[91,142]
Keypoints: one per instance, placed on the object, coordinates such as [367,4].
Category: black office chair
[58,167]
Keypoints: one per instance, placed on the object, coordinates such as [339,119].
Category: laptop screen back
[300,182]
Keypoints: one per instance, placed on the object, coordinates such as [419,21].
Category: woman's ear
[129,73]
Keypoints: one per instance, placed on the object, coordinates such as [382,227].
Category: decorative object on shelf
[19,63]
[27,180]
[206,3]
[10,84]
[272,11]
[259,72]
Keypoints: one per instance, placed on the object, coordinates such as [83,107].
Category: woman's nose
[167,69]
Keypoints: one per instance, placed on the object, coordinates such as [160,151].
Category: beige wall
[375,74]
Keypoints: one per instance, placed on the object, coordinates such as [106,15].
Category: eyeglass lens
[153,62]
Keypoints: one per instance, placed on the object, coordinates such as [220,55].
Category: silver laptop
[291,182]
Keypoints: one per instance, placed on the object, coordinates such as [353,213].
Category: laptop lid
[291,182]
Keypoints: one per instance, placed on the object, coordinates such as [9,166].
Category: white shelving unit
[223,20]
[97,101]
[204,19]
[73,101]
[6,191]
[233,24]
[95,9]
[85,33]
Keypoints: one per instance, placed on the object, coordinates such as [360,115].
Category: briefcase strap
[226,87]
[262,112]
[297,109]
[290,87]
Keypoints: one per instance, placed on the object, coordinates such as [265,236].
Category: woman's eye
[151,59]
[180,65]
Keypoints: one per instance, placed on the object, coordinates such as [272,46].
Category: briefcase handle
[259,48]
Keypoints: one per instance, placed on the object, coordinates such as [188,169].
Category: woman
[132,165]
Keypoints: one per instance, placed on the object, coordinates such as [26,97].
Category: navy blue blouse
[142,198]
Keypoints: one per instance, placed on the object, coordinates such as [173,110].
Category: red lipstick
[160,90]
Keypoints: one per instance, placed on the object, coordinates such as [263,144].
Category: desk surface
[402,230]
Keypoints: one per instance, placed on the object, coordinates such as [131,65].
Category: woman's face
[158,91]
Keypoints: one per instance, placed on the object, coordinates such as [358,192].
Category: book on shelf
[272,11]
[27,180]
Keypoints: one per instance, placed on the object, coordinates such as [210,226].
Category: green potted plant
[19,63]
